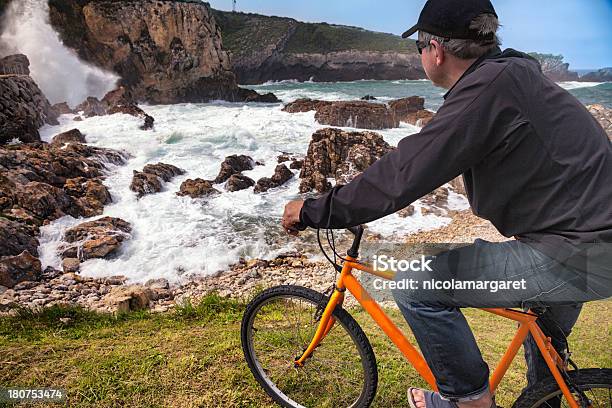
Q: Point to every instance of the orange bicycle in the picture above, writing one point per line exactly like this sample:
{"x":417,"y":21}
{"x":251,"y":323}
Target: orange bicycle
{"x":293,"y":346}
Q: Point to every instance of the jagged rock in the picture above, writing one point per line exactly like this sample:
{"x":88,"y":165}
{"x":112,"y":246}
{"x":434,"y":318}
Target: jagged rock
{"x":91,"y":107}
{"x":305,"y":105}
{"x":264,"y":184}
{"x":71,"y":265}
{"x":95,"y":239}
{"x":77,"y":119}
{"x":405,"y":106}
{"x":437,"y":198}
{"x":145,"y":183}
{"x":50,"y":273}
{"x":16,"y":238}
{"x":23,"y":109}
{"x":62,"y":108}
{"x":149,"y":181}
{"x":124,"y":299}
{"x":282,"y":174}
{"x":407,"y":212}
{"x":239,"y":182}
{"x":17,"y":64}
{"x":90,"y":194}
{"x":368,"y":98}
{"x":603,"y":116}
{"x":261,"y":98}
{"x":19,"y":268}
{"x":161,"y":283}
{"x":337,"y":154}
{"x":420,"y":118}
{"x":411,"y":110}
{"x":135,"y":111}
{"x":71,"y":136}
{"x":296,"y":164}
{"x":41,"y":182}
{"x":44,"y":201}
{"x":119,"y":96}
{"x":197,"y":188}
{"x":457,"y":185}
{"x":234,"y":165}
{"x":358,"y":114}
{"x":164,"y":171}
{"x":283,"y":158}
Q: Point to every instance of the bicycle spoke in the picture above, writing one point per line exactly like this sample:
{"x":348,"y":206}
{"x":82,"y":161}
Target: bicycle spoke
{"x":332,"y":376}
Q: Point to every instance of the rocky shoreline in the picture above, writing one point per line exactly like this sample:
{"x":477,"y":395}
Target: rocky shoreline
{"x":44,"y":181}
{"x":240,"y":281}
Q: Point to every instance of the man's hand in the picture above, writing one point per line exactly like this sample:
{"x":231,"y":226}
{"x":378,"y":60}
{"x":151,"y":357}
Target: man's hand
{"x":291,"y":217}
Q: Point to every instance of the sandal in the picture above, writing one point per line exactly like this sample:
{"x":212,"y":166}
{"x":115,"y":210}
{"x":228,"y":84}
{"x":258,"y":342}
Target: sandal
{"x":434,"y":400}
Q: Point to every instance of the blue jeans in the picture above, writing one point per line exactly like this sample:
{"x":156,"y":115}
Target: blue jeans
{"x":443,"y":334}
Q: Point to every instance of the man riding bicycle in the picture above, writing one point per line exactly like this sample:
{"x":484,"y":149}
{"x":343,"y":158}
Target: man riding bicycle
{"x":534,"y":162}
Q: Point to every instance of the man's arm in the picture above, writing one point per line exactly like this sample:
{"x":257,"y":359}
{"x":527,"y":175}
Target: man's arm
{"x":463,"y":132}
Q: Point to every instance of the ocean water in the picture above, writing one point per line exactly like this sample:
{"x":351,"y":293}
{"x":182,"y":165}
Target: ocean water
{"x":178,"y":237}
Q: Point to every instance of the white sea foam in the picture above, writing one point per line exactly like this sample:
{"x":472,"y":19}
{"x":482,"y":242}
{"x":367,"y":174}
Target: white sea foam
{"x":569,"y":85}
{"x":174,"y":237}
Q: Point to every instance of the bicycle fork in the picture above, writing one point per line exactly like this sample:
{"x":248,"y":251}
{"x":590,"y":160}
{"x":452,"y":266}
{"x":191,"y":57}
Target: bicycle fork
{"x":326,"y":322}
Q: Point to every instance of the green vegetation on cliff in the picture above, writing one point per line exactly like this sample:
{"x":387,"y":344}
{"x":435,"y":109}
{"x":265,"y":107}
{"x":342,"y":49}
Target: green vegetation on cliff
{"x":247,"y":34}
{"x":323,"y":38}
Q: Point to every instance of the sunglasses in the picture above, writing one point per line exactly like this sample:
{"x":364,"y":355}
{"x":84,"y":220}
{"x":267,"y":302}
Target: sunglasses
{"x":421,"y":46}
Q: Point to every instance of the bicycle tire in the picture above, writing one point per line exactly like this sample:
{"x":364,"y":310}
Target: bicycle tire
{"x":586,"y":379}
{"x":368,"y":359}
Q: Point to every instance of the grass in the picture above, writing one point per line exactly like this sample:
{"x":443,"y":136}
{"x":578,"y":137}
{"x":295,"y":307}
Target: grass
{"x":191,"y":357}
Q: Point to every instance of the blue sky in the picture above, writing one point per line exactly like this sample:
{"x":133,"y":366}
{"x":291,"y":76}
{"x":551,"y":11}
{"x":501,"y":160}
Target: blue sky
{"x":581,"y":30}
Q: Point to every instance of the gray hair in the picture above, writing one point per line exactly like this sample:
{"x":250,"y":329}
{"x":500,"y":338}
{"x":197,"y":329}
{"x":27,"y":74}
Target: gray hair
{"x":486,"y":25}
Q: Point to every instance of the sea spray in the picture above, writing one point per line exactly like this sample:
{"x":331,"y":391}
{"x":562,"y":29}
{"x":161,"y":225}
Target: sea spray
{"x":61,"y":75}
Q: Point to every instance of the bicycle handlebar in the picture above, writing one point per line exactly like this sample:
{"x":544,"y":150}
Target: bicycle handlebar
{"x":357,"y":231}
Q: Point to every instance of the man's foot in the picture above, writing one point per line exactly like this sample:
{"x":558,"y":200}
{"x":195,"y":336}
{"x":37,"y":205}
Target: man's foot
{"x":419,"y":398}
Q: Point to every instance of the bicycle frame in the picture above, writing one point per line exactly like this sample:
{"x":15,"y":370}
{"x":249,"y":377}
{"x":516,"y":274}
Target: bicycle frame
{"x":526,"y":320}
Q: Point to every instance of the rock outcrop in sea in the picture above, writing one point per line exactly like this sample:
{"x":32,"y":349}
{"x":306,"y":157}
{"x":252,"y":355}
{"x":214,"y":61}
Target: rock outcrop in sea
{"x":365,"y":115}
{"x":165,"y":51}
{"x":334,"y":153}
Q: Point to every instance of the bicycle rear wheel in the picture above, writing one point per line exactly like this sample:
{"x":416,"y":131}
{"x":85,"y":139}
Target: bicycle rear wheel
{"x":276,"y":329}
{"x":596,"y":383}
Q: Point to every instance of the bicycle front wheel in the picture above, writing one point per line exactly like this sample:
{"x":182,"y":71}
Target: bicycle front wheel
{"x":276,"y":329}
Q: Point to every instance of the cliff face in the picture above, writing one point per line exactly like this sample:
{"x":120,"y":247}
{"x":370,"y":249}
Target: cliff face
{"x":603,"y":75}
{"x":164,"y":51}
{"x":275,"y":48}
{"x":23,"y":107}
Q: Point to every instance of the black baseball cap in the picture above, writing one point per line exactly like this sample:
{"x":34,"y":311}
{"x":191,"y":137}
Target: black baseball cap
{"x":451,"y":18}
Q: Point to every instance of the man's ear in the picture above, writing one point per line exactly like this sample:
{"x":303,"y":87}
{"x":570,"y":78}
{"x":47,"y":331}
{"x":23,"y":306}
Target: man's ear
{"x":439,"y":52}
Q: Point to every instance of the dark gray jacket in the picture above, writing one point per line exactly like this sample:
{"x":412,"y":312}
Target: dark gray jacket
{"x":534,"y":161}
